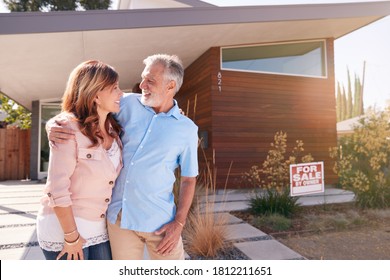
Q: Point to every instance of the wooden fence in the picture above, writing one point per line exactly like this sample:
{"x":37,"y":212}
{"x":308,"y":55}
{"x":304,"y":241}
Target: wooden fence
{"x":14,"y":154}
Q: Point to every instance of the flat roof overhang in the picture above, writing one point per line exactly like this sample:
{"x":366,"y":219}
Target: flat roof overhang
{"x":38,"y":50}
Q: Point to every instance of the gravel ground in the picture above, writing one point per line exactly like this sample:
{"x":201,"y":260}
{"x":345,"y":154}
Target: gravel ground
{"x":335,"y":232}
{"x":358,"y":244}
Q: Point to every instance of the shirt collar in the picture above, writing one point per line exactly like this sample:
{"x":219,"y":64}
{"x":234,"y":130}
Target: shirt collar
{"x":174,"y":111}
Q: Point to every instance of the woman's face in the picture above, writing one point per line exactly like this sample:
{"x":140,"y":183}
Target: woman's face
{"x":108,"y":99}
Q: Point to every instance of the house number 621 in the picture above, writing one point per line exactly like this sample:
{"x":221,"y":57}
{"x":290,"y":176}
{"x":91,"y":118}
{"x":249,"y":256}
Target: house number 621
{"x":219,"y":76}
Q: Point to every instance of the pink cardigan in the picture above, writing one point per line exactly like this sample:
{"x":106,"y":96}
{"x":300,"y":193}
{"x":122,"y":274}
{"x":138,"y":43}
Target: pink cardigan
{"x":79,"y":176}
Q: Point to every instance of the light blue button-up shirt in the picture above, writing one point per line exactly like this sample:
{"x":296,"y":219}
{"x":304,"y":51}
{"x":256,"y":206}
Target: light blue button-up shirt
{"x":154,"y":145}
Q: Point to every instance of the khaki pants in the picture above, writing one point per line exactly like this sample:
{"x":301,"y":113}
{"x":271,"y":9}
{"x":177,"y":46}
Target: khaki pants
{"x":129,"y":244}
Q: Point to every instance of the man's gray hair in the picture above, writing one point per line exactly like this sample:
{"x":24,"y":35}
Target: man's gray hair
{"x":173,"y":67}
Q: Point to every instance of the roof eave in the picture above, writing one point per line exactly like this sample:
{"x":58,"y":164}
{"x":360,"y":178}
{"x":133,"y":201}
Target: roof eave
{"x":37,"y":22}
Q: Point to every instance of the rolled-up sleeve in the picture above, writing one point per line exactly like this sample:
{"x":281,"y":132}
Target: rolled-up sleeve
{"x":189,"y":158}
{"x":62,"y":163}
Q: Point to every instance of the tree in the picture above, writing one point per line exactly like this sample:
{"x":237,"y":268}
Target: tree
{"x":349,"y":98}
{"x":24,"y":5}
{"x":349,"y":104}
{"x":339,"y":97}
{"x":358,"y":97}
{"x":17,"y":115}
{"x":56,"y":5}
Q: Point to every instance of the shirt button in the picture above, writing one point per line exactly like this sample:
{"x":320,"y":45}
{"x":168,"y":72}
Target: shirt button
{"x":49,"y":194}
{"x":102,"y":216}
{"x":141,"y":147}
{"x":132,"y":163}
{"x":89,"y":155}
{"x":111,"y":182}
{"x":107,"y":200}
{"x":149,"y":130}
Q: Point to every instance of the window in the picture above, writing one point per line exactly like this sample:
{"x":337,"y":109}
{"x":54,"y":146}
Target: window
{"x":298,"y":58}
{"x":48,"y":110}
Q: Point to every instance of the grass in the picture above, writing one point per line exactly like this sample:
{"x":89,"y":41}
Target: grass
{"x":205,"y":233}
{"x":276,"y":222}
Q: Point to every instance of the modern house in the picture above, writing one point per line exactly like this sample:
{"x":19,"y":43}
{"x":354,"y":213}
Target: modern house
{"x":251,"y":71}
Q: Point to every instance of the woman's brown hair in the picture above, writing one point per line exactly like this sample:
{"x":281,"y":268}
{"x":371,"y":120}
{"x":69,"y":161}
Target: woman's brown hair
{"x":84,"y":82}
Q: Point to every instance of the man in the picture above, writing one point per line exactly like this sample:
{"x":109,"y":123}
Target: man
{"x":157,"y":139}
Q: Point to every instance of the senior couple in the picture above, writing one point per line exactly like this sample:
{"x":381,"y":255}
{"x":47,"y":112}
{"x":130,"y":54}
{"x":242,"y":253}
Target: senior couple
{"x":112,"y":165}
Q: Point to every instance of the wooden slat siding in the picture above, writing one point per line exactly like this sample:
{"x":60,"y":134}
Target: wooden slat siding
{"x":3,"y":141}
{"x":197,"y":82}
{"x":24,"y":154}
{"x":14,"y":154}
{"x":258,"y":105}
{"x":252,"y":107}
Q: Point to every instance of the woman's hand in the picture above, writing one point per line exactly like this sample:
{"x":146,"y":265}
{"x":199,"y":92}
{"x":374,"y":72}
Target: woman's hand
{"x":73,"y":248}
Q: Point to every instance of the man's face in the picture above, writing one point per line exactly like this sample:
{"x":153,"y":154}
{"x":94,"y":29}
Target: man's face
{"x":156,"y":92}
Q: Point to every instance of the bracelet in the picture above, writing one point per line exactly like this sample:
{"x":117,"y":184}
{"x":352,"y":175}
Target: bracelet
{"x":73,"y":242}
{"x":70,"y":233}
{"x":181,"y":224}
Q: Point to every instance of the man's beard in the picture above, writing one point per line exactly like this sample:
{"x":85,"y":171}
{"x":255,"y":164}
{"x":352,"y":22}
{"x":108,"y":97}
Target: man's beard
{"x":148,"y":100}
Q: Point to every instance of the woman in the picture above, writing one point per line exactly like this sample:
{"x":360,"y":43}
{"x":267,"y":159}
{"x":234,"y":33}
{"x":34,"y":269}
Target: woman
{"x":71,"y":223}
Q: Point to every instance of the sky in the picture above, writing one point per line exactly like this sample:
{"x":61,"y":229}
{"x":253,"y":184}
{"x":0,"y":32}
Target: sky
{"x":369,"y":45}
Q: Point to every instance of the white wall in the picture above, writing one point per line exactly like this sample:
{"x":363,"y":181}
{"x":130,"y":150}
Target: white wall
{"x":150,"y":4}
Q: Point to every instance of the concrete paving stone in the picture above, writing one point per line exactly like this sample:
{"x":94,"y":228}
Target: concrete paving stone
{"x":22,"y":188}
{"x":15,"y":208}
{"x":20,"y":193}
{"x":267,"y":250}
{"x":12,"y":254}
{"x":243,"y":231}
{"x":230,"y":219}
{"x":231,"y":206}
{"x":21,"y":183}
{"x":19,"y":200}
{"x":25,"y":253}
{"x":228,"y":197}
{"x":317,"y":200}
{"x":331,"y":191}
{"x":17,"y":219}
{"x":18,"y":235}
{"x":33,"y":253}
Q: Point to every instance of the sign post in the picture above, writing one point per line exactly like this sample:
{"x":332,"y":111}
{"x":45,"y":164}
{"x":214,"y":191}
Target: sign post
{"x":306,"y":178}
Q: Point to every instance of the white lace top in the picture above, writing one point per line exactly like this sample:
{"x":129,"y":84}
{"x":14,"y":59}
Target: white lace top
{"x":114,"y":153}
{"x":51,"y":236}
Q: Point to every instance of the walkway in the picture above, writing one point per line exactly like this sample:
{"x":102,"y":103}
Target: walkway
{"x":19,"y":202}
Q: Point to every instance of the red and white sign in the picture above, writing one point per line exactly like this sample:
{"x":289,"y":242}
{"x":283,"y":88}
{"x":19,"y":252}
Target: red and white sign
{"x":306,"y":178}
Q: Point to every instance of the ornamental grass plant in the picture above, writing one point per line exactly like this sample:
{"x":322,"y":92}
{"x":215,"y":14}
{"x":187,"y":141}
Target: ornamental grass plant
{"x":205,"y":234}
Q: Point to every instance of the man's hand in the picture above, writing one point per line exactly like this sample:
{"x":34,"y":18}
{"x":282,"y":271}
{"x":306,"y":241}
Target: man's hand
{"x":173,"y":229}
{"x":57,"y":134}
{"x":172,"y":236}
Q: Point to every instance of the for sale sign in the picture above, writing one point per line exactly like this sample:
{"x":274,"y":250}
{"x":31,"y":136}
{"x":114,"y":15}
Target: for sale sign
{"x":306,"y":178}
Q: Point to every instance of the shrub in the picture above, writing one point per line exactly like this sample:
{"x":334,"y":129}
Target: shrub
{"x":363,"y":160}
{"x":273,"y":202}
{"x":273,"y":178}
